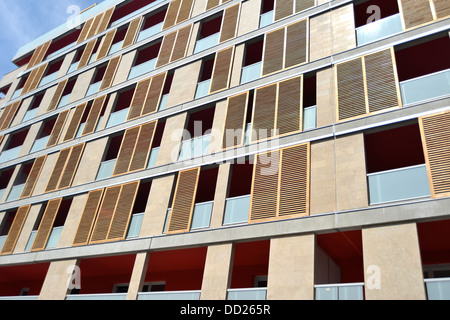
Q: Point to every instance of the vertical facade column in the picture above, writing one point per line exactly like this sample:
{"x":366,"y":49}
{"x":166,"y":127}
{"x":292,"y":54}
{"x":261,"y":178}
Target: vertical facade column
{"x":291,"y":268}
{"x":138,"y":275}
{"x":392,"y":263}
{"x":59,"y":276}
{"x":217,"y":272}
{"x":220,"y":196}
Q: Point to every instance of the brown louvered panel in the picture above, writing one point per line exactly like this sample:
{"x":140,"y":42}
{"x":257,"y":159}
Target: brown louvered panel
{"x":172,"y":13}
{"x":105,"y":214}
{"x":143,"y":147}
{"x":133,"y":30}
{"x":416,"y":12}
{"x":57,"y":128}
{"x":33,"y":176}
{"x":126,"y":151}
{"x":75,"y":122}
{"x":264,"y":195}
{"x":273,"y":52}
{"x":435,"y":131}
{"x":350,"y":89}
{"x":211,"y":4}
{"x":122,"y":214}
{"x":15,"y":230}
{"x":185,"y":11}
{"x":234,"y":127}
{"x":87,"y":53}
{"x":29,"y":81}
{"x":296,"y":44}
{"x":110,"y":72}
{"x":154,"y":94}
{"x":94,"y":115}
{"x":34,"y":79}
{"x":381,"y":81}
{"x":283,"y":9}
{"x":39,"y":54}
{"x":166,"y":49}
{"x":8,"y":115}
{"x":46,"y":225}
{"x":442,"y":8}
{"x":294,"y":181}
{"x":106,"y":44}
{"x":183,"y":202}
{"x":289,"y":106}
{"x":84,"y":32}
{"x":88,"y":217}
{"x":57,"y":95}
{"x":140,"y":93}
{"x":106,"y":19}
{"x":230,"y":23}
{"x":180,"y":46}
{"x":222,"y":70}
{"x":301,"y":5}
{"x":71,"y":166}
{"x":58,"y":170}
{"x":94,"y":26}
{"x":264,"y":112}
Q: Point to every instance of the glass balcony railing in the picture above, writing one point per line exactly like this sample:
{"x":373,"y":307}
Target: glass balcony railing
{"x":39,"y":144}
{"x":93,"y":88}
{"x":30,"y":114}
{"x":147,"y":33}
{"x":194,"y":147}
{"x":201,"y":217}
{"x":47,"y":79}
{"x":237,"y":209}
{"x":346,"y":291}
{"x":63,"y":101}
{"x":106,"y":169}
{"x":13,"y":298}
{"x":16,"y":94}
{"x":15,"y":192}
{"x":206,"y":43}
{"x":379,"y":29}
{"x":2,"y":241}
{"x":427,"y":87}
{"x":100,"y":296}
{"x":202,"y":89}
{"x":398,"y":184}
{"x":73,"y":67}
{"x":309,"y":118}
{"x":163,"y":102}
{"x":170,"y":295}
{"x":166,"y":222}
{"x":10,"y":154}
{"x":30,"y":241}
{"x":117,"y":118}
{"x":135,"y":13}
{"x":115,"y":47}
{"x":247,"y":294}
{"x":142,"y":68}
{"x":135,"y":225}
{"x":251,"y":72}
{"x":153,"y":157}
{"x":2,"y":193}
{"x":266,"y":19}
{"x":54,"y":237}
{"x":438,"y":288}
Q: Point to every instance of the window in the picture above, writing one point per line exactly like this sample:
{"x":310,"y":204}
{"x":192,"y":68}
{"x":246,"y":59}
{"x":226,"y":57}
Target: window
{"x":121,"y":107}
{"x":52,"y":72}
{"x":14,"y":145}
{"x":152,"y":24}
{"x":145,"y":60}
{"x":209,"y":33}
{"x":251,"y":69}
{"x":33,"y":108}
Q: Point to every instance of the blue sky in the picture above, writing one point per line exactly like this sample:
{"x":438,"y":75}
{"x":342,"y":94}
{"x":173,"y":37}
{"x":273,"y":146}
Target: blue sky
{"x":22,"y":21}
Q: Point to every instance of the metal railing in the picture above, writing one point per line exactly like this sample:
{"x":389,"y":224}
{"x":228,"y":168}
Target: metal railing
{"x":340,"y":291}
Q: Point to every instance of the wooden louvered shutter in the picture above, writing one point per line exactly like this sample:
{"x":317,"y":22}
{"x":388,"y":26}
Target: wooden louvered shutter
{"x":140,"y":93}
{"x":132,"y":32}
{"x":106,"y":18}
{"x":435,"y":132}
{"x":283,"y":9}
{"x":296,"y":44}
{"x":222,"y":70}
{"x":94,"y":26}
{"x":105,"y":214}
{"x":180,"y":46}
{"x":211,"y":4}
{"x":230,"y":23}
{"x":183,"y":201}
{"x":289,"y":107}
{"x":34,"y":79}
{"x":166,"y":49}
{"x":39,"y":54}
{"x":185,"y":10}
{"x":46,"y":225}
{"x":84,"y":32}
{"x":75,"y":122}
{"x":9,"y":112}
{"x":110,"y":72}
{"x":33,"y":177}
{"x":301,"y":5}
{"x":154,"y":94}
{"x":88,"y":217}
{"x":15,"y":230}
{"x":234,"y":126}
{"x":263,"y":122}
{"x":57,"y":95}
{"x":416,"y":12}
{"x":273,"y":51}
{"x":94,"y":115}
{"x":58,"y":169}
{"x":87,"y":53}
{"x":105,"y":46}
{"x":57,"y":128}
{"x":441,"y":8}
{"x":172,"y":13}
{"x":126,"y":151}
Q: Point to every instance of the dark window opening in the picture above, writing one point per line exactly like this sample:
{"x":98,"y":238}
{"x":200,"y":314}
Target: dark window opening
{"x":267,"y":6}
{"x":120,"y":35}
{"x":200,"y":122}
{"x":241,"y":179}
{"x":5,"y":226}
{"x":128,"y":8}
{"x":54,"y":67}
{"x":64,"y":41}
{"x":24,"y":172}
{"x":100,"y":72}
{"x":63,"y":211}
{"x":364,"y":13}
{"x":142,"y":197}
{"x":17,"y":139}
{"x":147,"y":54}
{"x":253,"y":52}
{"x":124,"y":99}
{"x":168,"y":83}
{"x":157,"y":138}
{"x":154,"y":19}
{"x":207,"y":69}
{"x":309,"y":91}
{"x":47,"y":128}
{"x":4,"y":91}
{"x":206,"y":187}
{"x":210,"y":27}
{"x":113,"y":147}
{"x":5,"y":176}
{"x":69,"y":87}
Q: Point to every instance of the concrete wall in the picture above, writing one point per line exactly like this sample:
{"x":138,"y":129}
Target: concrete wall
{"x":58,"y":278}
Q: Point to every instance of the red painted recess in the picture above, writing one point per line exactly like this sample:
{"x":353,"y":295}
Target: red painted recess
{"x":434,"y":241}
{"x":15,"y":278}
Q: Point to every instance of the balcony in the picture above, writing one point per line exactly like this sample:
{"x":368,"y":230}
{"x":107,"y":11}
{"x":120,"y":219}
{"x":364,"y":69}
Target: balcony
{"x":135,"y":13}
{"x":30,"y":114}
{"x":251,"y":72}
{"x":147,"y":33}
{"x":202,"y":89}
{"x":201,"y":217}
{"x":73,"y":67}
{"x":170,"y":295}
{"x":16,"y":94}
{"x":438,"y":288}
{"x":39,"y":144}
{"x":247,"y":294}
{"x":237,"y":209}
{"x":93,"y":88}
{"x":309,"y":118}
{"x":2,"y":193}
{"x":153,"y":157}
{"x":10,"y":154}
{"x":379,"y":29}
{"x":117,"y":118}
{"x":163,"y":102}
{"x":346,"y":291}
{"x":207,"y":42}
{"x":266,"y":19}
{"x":2,"y":241}
{"x":398,"y":184}
{"x":47,"y":79}
{"x":100,"y":296}
{"x":63,"y":101}
{"x":427,"y":87}
{"x":142,"y":68}
{"x":115,"y":47}
{"x":135,"y":225}
{"x":15,"y":192}
{"x":52,"y":242}
{"x":106,"y":169}
{"x":194,"y":147}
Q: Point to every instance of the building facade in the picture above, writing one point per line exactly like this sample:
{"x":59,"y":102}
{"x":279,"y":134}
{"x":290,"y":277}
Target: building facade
{"x":230,"y":149}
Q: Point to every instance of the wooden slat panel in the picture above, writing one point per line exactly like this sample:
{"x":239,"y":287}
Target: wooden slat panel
{"x":381,"y":81}
{"x":264,"y":111}
{"x":211,"y":4}
{"x":133,"y":30}
{"x":9,"y":112}
{"x":57,"y":95}
{"x":57,"y":128}
{"x":140,"y":93}
{"x":283,"y":9}
{"x":34,"y":79}
{"x":185,"y":11}
{"x":110,"y":72}
{"x":94,"y":26}
{"x":296,"y":44}
{"x":273,"y":52}
{"x":289,"y":111}
{"x":172,"y":13}
{"x":350,"y":89}
{"x":87,"y":53}
{"x":166,"y":49}
{"x":85,"y":30}
{"x":46,"y":225}
{"x":230,"y":23}
{"x":435,"y":131}
{"x":301,"y":5}
{"x":106,"y":19}
{"x":222,"y":70}
{"x":105,"y":214}
{"x":143,"y":147}
{"x":234,"y":127}
{"x":33,"y":176}
{"x":15,"y":230}
{"x":416,"y":12}
{"x":154,"y":94}
{"x":442,"y":8}
{"x":71,"y":166}
{"x":94,"y":115}
{"x":58,"y":170}
{"x":105,"y":45}
{"x":88,"y":217}
{"x":183,"y":202}
{"x":122,"y":214}
{"x":180,"y":46}
{"x":126,"y":151}
{"x":264,"y":195}
{"x":75,"y":122}
{"x":39,"y":54}
{"x":294,"y":181}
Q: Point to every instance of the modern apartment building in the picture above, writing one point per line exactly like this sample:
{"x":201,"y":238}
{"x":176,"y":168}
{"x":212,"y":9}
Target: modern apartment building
{"x":230,"y":149}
